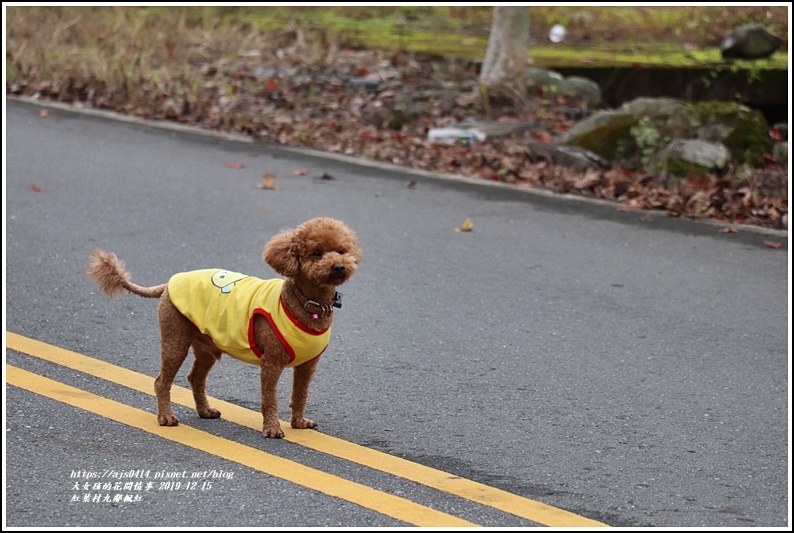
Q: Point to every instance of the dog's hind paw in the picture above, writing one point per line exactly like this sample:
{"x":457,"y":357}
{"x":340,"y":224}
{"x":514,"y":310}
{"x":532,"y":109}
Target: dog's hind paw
{"x":209,"y":412}
{"x":303,"y":423}
{"x":273,"y":432}
{"x":167,"y":420}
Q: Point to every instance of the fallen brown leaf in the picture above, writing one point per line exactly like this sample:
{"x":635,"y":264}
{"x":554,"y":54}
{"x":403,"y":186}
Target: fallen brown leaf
{"x":773,"y":244}
{"x":267,"y":182}
{"x":729,"y":229}
{"x":234,"y":165}
{"x":300,"y":172}
{"x":466,"y":226}
{"x":43,"y":113}
{"x":35,"y":188}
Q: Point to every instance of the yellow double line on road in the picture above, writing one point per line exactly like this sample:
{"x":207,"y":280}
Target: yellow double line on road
{"x":362,"y":495}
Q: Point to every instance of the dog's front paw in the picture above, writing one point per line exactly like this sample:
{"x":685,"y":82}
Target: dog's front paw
{"x":303,"y":423}
{"x":273,"y":432}
{"x":209,"y":412}
{"x":167,"y":420}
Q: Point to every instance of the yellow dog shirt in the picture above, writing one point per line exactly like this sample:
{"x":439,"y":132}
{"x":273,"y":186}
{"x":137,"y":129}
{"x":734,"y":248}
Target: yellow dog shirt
{"x":223,"y":305}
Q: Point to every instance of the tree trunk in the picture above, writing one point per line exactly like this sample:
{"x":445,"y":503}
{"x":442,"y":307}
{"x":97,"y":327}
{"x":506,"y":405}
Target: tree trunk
{"x":508,"y":47}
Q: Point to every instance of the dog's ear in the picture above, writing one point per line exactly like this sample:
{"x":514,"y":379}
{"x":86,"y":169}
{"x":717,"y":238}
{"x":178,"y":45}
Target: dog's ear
{"x":282,"y":254}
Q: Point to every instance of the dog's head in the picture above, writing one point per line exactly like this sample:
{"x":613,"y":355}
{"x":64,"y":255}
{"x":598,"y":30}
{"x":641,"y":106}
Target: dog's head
{"x":323,"y":250}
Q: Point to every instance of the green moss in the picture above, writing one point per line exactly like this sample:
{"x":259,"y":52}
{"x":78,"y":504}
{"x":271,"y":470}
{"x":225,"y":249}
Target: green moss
{"x":459,"y":33}
{"x":647,"y":138}
{"x":748,"y":141}
{"x":632,"y":139}
{"x":637,"y":55}
{"x":681,"y":168}
{"x":606,"y":141}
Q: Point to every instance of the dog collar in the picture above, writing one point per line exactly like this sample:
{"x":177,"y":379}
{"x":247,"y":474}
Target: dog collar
{"x":316,"y":309}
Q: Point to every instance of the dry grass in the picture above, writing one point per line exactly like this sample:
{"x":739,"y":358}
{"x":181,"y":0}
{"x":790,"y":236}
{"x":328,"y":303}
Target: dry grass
{"x":119,"y":45}
{"x":128,"y":51}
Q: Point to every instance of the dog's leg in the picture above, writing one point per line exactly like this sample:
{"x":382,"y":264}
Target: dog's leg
{"x":271,"y":372}
{"x":302,"y":377}
{"x":206,"y":354}
{"x":176,"y":333}
{"x":173,"y":354}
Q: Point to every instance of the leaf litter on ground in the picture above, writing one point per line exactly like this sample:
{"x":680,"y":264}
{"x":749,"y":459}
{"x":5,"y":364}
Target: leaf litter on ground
{"x":297,"y":97}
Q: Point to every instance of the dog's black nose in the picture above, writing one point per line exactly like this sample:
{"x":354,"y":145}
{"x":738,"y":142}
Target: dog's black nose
{"x":339,"y":268}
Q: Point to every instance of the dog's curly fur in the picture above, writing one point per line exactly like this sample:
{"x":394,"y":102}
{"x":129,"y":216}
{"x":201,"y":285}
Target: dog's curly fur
{"x":314,"y":259}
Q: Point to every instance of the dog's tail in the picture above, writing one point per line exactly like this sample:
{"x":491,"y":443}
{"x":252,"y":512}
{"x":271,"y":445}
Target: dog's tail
{"x":110,"y":276}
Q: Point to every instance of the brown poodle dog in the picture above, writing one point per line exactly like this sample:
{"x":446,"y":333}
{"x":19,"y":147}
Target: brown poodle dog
{"x":271,"y":323}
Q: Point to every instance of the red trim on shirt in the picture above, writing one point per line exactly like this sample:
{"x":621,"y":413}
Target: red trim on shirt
{"x":251,"y":339}
{"x":281,"y":339}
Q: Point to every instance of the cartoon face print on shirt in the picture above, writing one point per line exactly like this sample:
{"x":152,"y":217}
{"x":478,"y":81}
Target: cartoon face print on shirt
{"x":225,"y":280}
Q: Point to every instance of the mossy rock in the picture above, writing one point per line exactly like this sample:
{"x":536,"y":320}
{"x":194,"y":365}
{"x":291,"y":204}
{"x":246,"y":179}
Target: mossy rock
{"x":653,"y":106}
{"x":601,"y":133}
{"x":742,"y":130}
{"x":626,"y":139}
{"x":542,"y":78}
{"x":583,"y":91}
{"x":685,"y":157}
{"x":633,"y":135}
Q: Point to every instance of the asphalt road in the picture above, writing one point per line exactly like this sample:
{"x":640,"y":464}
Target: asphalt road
{"x":631,"y":370}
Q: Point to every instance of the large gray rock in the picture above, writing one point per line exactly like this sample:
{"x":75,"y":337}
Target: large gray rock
{"x":652,"y":106}
{"x":540,"y":78}
{"x":582,"y":91}
{"x":579,"y":90}
{"x":751,"y":41}
{"x":692,"y":156}
{"x":633,"y":135}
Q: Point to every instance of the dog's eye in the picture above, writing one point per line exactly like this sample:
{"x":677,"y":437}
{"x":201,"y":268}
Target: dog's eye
{"x":341,"y":252}
{"x":317,"y":254}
